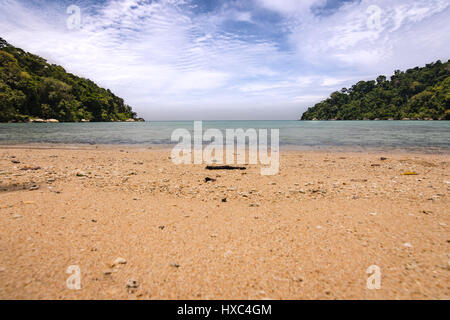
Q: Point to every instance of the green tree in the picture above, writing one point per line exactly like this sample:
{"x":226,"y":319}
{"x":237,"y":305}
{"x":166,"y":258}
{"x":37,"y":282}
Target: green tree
{"x":31,"y":87}
{"x":417,"y":93}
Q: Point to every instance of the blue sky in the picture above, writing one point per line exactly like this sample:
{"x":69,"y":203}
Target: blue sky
{"x":219,"y":59}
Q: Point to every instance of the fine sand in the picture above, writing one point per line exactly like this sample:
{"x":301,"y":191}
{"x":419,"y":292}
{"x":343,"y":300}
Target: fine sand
{"x":310,"y":232}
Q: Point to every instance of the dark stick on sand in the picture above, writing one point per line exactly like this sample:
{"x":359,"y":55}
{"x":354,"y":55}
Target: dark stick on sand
{"x":224,"y":168}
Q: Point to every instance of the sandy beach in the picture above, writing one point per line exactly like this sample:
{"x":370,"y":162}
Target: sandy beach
{"x":310,"y":232}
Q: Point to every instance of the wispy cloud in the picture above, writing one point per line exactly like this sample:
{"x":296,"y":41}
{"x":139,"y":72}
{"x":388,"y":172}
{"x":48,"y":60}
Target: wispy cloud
{"x":233,"y":59}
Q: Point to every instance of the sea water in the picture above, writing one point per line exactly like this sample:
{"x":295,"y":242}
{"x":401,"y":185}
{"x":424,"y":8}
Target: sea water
{"x":421,"y":136}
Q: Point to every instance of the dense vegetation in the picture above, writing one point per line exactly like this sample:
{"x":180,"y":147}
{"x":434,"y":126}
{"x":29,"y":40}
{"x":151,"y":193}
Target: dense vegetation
{"x":419,"y":93}
{"x":32,"y":88}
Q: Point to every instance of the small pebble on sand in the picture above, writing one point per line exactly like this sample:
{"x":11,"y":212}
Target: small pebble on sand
{"x":119,"y":261}
{"x":132,"y":284}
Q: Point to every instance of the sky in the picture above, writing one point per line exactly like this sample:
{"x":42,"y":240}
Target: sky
{"x":229,"y":59}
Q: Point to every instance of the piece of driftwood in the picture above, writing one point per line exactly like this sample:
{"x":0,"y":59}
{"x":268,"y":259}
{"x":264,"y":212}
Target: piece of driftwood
{"x":224,"y":168}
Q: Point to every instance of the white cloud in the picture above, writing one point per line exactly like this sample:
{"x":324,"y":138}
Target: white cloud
{"x":332,"y":82}
{"x":351,"y":39}
{"x":258,"y":87}
{"x":197,"y":80}
{"x":308,"y":98}
{"x":157,"y":54}
{"x":291,"y":7}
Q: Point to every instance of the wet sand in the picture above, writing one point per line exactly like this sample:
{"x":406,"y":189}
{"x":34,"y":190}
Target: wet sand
{"x":309,"y":232}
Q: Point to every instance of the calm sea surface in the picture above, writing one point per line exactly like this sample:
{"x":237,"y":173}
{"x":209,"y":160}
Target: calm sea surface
{"x":421,"y":136}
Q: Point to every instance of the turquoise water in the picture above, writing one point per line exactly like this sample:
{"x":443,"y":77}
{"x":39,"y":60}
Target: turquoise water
{"x":423,"y":136}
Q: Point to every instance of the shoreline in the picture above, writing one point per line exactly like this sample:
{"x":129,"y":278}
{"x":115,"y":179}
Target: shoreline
{"x":283,"y":148}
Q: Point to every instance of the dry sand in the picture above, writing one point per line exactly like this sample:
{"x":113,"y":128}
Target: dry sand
{"x":309,"y":232}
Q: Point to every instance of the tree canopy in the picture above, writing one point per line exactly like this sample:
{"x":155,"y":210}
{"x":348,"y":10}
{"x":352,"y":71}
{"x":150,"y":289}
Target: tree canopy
{"x":419,"y":93}
{"x":30,"y":87}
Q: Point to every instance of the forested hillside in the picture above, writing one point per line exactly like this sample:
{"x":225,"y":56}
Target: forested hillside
{"x":419,"y":93}
{"x":32,"y":88}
